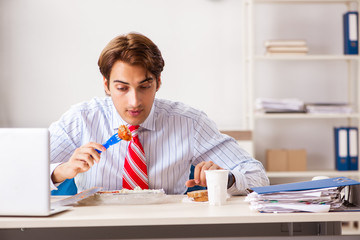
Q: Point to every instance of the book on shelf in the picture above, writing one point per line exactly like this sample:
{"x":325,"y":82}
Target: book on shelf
{"x":303,"y":49}
{"x":293,"y":47}
{"x":285,"y":43}
{"x":271,"y":54}
{"x":351,"y":34}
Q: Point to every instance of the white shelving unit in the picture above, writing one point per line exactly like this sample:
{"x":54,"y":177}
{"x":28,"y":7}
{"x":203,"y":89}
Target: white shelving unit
{"x":252,"y":58}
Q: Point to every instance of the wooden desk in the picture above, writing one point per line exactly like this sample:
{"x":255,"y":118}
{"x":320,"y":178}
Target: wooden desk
{"x":173,"y":218}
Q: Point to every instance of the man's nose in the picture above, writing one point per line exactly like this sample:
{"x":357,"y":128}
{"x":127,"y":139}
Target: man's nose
{"x":134,"y":98}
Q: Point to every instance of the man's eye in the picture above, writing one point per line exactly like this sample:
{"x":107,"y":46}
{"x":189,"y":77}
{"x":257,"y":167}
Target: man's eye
{"x":122,"y":89}
{"x":145,"y":86}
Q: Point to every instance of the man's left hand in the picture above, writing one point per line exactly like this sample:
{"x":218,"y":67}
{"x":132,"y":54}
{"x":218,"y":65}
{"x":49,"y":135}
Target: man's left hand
{"x":199,"y":174}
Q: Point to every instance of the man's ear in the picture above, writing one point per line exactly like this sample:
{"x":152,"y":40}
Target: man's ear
{"x":158,"y":84}
{"x":106,"y":86}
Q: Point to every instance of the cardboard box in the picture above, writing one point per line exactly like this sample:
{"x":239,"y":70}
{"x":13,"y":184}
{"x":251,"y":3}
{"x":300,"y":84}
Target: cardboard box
{"x":286,"y":160}
{"x":276,"y":160}
{"x":297,"y":160}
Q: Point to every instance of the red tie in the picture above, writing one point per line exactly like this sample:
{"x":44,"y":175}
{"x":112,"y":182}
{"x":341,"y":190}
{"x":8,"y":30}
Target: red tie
{"x":135,"y":170}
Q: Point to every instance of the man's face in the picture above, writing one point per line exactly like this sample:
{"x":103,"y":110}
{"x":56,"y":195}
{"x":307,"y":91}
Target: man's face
{"x":132,"y":90}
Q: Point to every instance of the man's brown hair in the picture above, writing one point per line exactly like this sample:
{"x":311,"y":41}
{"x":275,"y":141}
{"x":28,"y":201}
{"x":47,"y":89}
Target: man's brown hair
{"x":133,"y":49}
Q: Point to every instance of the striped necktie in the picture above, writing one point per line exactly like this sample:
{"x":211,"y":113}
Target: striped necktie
{"x":135,"y":170}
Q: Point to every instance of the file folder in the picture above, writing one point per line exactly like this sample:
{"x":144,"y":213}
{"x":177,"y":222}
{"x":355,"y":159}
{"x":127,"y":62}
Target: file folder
{"x":351,"y":34}
{"x":308,"y":185}
{"x":341,"y":148}
{"x":353,"y":149}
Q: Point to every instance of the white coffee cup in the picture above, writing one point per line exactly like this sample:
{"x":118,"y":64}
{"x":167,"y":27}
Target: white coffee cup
{"x":216,"y":181}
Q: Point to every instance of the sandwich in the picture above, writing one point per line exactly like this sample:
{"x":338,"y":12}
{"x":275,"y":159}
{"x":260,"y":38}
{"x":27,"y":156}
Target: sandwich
{"x":198,"y":195}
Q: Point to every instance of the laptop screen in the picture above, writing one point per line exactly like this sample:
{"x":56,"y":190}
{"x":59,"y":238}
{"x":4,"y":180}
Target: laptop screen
{"x":24,"y":171}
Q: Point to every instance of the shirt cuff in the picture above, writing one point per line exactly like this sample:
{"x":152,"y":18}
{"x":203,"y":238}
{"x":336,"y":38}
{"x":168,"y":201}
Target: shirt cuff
{"x":231,"y":180}
{"x":53,"y":186}
{"x":232,"y":190}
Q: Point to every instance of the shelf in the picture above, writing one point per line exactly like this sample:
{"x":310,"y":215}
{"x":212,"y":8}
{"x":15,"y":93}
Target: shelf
{"x":308,"y":57}
{"x":312,"y":174}
{"x":303,"y":116}
{"x":262,"y":70}
{"x":305,"y":1}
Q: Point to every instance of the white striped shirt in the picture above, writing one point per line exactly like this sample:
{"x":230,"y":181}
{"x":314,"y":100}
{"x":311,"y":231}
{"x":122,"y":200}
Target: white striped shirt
{"x":174,"y":137}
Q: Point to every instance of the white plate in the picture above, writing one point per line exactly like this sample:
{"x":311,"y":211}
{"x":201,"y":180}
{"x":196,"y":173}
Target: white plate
{"x":129,"y":197}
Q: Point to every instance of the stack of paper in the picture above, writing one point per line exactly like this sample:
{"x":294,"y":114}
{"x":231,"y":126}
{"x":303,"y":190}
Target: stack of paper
{"x":311,"y":196}
{"x":298,"y":47}
{"x":271,"y":105}
{"x":318,"y":200}
{"x":328,"y":108}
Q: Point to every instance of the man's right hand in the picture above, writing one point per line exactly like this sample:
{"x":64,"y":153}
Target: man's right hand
{"x":82,"y":160}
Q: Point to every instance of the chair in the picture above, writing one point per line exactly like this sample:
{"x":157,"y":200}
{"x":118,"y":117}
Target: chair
{"x":68,"y":187}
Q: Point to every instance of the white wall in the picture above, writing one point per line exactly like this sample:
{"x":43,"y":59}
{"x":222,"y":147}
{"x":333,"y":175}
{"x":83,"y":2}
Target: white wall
{"x":49,"y":51}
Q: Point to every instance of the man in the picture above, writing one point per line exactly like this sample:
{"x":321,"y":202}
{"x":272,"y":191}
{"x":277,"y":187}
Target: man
{"x":173,"y":136}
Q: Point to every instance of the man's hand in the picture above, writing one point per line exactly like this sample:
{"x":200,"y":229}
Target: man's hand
{"x":199,"y":174}
{"x":82,"y":160}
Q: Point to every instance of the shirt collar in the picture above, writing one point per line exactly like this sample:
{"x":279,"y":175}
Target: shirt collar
{"x":149,"y":122}
{"x":116,"y":119}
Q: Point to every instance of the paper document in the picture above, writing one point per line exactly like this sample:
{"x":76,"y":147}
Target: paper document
{"x":311,"y":196}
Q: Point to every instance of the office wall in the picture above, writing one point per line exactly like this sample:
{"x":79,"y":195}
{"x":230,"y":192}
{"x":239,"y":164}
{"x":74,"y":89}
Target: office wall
{"x":49,"y":51}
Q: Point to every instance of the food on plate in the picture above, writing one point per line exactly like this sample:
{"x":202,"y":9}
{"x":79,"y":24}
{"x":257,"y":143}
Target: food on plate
{"x":135,"y":190}
{"x":199,"y":195}
{"x":124,"y":133}
{"x":126,"y":196}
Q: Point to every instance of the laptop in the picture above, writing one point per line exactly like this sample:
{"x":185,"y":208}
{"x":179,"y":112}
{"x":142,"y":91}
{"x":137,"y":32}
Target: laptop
{"x":25,"y":172}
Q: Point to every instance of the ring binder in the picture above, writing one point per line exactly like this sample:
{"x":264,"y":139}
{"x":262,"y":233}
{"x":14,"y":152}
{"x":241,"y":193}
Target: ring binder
{"x":353,"y":151}
{"x":351,"y":34}
{"x":341,"y":148}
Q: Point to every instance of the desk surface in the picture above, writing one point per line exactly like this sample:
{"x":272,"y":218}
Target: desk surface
{"x":173,"y":212}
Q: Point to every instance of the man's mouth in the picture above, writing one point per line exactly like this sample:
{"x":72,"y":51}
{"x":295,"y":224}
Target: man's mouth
{"x":134,"y":113}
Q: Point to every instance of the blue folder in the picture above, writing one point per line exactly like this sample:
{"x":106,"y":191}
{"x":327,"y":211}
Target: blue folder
{"x":351,"y":34}
{"x":308,"y":185}
{"x":353,"y":149}
{"x":341,"y":148}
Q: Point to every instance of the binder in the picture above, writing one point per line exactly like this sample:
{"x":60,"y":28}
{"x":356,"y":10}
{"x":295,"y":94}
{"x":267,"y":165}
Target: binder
{"x":351,"y":34}
{"x":341,"y":148}
{"x":353,"y":148}
{"x":307,"y":185}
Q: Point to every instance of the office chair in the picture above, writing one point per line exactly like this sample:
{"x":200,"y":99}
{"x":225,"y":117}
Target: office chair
{"x":191,"y":176}
{"x":68,"y":187}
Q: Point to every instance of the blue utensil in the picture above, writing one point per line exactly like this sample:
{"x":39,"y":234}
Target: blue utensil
{"x":113,"y":140}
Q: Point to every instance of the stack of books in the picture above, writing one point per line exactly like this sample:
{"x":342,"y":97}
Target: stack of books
{"x":311,"y":196}
{"x":290,"y":47}
{"x":285,"y":105}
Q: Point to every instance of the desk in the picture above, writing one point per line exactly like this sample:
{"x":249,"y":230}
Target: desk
{"x":173,"y":218}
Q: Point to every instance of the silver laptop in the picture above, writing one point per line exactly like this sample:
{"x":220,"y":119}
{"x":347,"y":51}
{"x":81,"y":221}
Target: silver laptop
{"x":25,"y":173}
